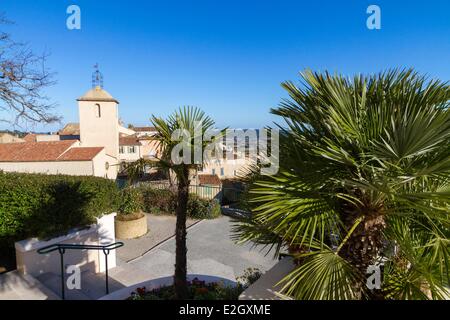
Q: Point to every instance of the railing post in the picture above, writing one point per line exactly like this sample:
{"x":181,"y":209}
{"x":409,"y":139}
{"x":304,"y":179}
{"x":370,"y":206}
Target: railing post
{"x":63,"y":283}
{"x":106,"y":253}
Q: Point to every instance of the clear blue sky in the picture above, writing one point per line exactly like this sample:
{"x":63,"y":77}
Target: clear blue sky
{"x":227,"y":57}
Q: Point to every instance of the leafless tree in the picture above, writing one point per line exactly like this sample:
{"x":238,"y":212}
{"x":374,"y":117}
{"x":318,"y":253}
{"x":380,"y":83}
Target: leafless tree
{"x":23,"y":77}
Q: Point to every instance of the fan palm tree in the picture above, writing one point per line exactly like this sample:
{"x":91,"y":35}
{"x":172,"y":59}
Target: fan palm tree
{"x":179,"y":137}
{"x":363,"y":187}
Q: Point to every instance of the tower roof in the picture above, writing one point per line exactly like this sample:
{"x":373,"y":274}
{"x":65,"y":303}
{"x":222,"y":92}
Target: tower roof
{"x":97,"y":94}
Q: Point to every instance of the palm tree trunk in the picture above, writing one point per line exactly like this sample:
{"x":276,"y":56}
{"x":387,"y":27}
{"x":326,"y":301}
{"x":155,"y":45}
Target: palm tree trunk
{"x":363,"y":248}
{"x":180,"y":278}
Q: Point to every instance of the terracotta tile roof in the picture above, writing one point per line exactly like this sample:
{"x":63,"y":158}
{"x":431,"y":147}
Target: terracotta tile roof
{"x":211,"y":179}
{"x":30,"y":137}
{"x":80,"y":154}
{"x":71,"y":129}
{"x":129,"y":141}
{"x":144,"y":129}
{"x":33,"y":151}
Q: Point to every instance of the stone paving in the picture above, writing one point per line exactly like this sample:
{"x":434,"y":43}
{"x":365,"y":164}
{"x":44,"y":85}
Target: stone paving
{"x":160,"y":228}
{"x":210,"y":252}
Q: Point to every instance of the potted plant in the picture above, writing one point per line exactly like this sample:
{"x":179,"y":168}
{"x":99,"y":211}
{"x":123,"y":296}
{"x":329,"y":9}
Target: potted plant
{"x":130,"y":222}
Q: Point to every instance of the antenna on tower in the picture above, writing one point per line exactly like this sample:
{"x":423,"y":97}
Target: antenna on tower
{"x":97,"y":77}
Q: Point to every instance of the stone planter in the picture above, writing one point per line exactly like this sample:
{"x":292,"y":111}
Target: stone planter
{"x":124,"y":293}
{"x":130,"y":229}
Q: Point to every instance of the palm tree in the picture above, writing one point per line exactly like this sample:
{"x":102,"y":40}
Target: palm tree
{"x":177,"y":136}
{"x":363,"y":185}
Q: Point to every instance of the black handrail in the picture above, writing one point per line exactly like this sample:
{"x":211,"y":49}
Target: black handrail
{"x":62,"y":250}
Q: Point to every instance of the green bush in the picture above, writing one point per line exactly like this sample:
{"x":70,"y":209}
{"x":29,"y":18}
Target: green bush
{"x":131,"y":201}
{"x":164,"y":201}
{"x":44,"y":206}
{"x":198,"y":208}
{"x":157,"y":201}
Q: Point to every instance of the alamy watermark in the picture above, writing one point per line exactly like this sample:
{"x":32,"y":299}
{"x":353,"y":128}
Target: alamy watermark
{"x":202,"y":146}
{"x":73,"y":21}
{"x":374,"y":279}
{"x":373,"y":22}
{"x":73,"y":281}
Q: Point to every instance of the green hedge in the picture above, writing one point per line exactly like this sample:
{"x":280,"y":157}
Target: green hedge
{"x":44,"y":206}
{"x":163,"y":201}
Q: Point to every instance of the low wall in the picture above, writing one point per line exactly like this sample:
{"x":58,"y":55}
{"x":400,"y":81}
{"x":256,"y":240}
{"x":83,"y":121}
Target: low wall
{"x":102,"y":233}
{"x":265,"y":288}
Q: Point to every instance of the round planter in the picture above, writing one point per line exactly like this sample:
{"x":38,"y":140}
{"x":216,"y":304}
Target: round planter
{"x":130,"y":229}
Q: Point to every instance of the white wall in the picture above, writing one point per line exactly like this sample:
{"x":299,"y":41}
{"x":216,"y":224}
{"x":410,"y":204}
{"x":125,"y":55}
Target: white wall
{"x":100,"y":131}
{"x":126,"y":131}
{"x":29,"y":261}
{"x":230,"y":167}
{"x":100,"y":167}
{"x":47,"y":137}
{"x":76,"y":168}
{"x":127,"y":156}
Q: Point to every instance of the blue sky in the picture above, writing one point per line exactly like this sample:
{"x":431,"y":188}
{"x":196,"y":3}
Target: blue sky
{"x":227,"y":57}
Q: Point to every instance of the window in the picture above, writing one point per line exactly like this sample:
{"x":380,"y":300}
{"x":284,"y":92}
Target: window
{"x":121,"y":150}
{"x":98,"y":111}
{"x":132,"y":149}
{"x":213,"y":171}
{"x":222,"y":172}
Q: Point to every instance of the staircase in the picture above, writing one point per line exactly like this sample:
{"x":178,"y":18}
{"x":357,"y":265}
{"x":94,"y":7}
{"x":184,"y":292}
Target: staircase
{"x":92,"y":286}
{"x":17,"y":286}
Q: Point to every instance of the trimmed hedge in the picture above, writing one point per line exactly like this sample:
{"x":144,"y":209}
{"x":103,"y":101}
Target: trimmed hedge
{"x":164,"y":201}
{"x":44,"y":206}
{"x":158,"y":201}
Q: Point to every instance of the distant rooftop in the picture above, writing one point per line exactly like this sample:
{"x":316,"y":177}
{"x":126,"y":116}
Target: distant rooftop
{"x":30,"y":137}
{"x":71,"y":129}
{"x":209,"y":179}
{"x":144,"y":129}
{"x":129,"y":141}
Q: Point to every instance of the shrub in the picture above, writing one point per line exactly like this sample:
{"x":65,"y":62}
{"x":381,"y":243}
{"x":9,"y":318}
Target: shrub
{"x":203,"y":209}
{"x":157,"y":200}
{"x":44,"y":206}
{"x":197,"y":290}
{"x":131,"y":201}
{"x":200,"y":290}
{"x":164,"y":201}
{"x":197,"y":208}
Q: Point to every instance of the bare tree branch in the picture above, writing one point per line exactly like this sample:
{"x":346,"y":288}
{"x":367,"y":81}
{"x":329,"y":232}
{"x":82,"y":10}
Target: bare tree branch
{"x":23,"y":77}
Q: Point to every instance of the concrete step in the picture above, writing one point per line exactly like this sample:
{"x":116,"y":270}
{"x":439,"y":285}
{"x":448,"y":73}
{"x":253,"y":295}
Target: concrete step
{"x":93,"y":286}
{"x":16,"y":286}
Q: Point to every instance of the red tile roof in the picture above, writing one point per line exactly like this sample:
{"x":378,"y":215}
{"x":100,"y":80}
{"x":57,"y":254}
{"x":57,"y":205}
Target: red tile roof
{"x":211,"y":179}
{"x":46,"y":151}
{"x":129,"y":141}
{"x":80,"y":154}
{"x":30,"y":137}
{"x":33,"y":151}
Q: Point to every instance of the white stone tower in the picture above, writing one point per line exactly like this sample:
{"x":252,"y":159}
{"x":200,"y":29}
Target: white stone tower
{"x":99,"y":118}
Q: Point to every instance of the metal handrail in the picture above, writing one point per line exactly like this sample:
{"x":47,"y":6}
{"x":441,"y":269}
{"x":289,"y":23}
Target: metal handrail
{"x":55,"y":247}
{"x":61,"y":248}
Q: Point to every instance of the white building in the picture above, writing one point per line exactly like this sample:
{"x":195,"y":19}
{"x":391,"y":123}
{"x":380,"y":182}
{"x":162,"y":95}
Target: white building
{"x":95,"y":153}
{"x":56,"y":157}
